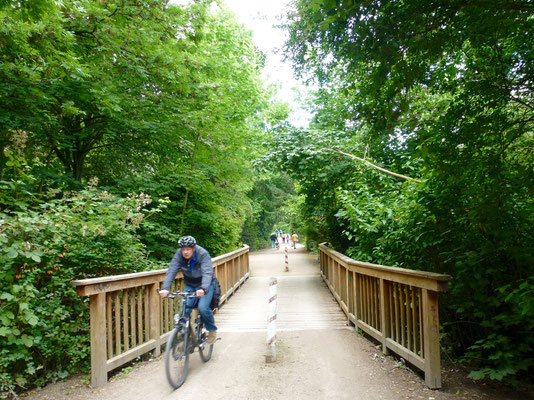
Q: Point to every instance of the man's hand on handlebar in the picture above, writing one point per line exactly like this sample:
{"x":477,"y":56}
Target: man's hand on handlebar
{"x":199,"y":293}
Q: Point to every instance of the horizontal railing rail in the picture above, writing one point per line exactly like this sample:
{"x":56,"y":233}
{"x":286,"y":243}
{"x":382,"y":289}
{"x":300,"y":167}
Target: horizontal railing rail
{"x":128,"y":318}
{"x":398,"y":307}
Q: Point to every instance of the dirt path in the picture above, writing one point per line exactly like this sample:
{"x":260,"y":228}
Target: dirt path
{"x":318,"y":355}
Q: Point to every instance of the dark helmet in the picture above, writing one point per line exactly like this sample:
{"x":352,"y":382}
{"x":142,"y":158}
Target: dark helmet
{"x":187,"y":241}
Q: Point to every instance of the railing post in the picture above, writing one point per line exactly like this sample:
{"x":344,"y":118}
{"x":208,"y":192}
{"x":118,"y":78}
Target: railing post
{"x":99,"y":373}
{"x":154,"y":306}
{"x":384,"y":314}
{"x":431,"y":339}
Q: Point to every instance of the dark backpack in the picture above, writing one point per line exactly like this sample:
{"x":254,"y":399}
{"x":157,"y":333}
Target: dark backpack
{"x":216,"y":294}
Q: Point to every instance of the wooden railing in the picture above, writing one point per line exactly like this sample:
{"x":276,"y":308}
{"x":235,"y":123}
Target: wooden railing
{"x":396,"y":306}
{"x":128,"y":318}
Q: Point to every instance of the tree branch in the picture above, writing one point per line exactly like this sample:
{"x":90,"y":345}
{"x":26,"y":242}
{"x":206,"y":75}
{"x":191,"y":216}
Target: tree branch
{"x":376,"y":166}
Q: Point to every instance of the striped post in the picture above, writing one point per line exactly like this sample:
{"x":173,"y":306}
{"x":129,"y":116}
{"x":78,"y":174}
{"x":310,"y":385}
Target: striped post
{"x":287,"y":261}
{"x":270,"y":356}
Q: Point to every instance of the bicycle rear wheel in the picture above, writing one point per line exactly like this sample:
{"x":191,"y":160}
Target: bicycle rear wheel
{"x":204,"y":348}
{"x":177,"y":356}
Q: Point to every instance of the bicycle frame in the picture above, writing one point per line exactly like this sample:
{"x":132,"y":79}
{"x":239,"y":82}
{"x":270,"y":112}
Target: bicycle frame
{"x":183,"y":319}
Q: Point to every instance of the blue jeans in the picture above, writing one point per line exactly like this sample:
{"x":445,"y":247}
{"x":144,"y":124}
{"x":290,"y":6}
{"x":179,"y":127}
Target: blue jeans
{"x":203,"y":304}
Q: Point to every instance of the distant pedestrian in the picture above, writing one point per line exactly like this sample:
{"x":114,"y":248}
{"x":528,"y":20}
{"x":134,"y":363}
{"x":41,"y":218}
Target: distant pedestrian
{"x":295,"y":239}
{"x":274,"y":237}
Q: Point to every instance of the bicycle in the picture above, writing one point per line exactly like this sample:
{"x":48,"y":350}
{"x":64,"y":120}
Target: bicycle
{"x":183,"y":340}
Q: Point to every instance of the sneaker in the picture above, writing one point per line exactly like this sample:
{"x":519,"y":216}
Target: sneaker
{"x":212,"y":337}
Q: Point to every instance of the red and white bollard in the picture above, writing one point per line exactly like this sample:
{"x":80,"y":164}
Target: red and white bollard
{"x":270,"y":355}
{"x":287,"y":261}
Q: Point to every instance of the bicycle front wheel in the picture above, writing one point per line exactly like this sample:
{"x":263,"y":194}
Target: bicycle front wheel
{"x":204,"y":348}
{"x":177,"y":356}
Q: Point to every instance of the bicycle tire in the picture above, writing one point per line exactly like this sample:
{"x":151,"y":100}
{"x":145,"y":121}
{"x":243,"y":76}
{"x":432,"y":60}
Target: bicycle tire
{"x":177,"y":356}
{"x":204,"y":348}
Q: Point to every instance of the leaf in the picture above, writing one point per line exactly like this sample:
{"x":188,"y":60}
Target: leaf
{"x":4,"y":331}
{"x":477,"y":375}
{"x":9,"y":315}
{"x":6,"y":296}
{"x":27,"y":340}
{"x":12,"y":253}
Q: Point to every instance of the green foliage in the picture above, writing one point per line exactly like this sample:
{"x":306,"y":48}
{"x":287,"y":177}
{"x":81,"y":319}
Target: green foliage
{"x":165,"y":116}
{"x":504,"y":356}
{"x":46,"y":242}
{"x":442,"y":93}
{"x":273,"y":198}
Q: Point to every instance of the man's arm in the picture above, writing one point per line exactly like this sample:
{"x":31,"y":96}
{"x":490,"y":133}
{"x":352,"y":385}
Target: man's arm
{"x":207,"y":271}
{"x":172,"y":271}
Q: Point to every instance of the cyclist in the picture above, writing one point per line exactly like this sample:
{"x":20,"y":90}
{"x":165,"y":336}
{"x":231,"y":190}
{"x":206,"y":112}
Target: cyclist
{"x":195,"y":263}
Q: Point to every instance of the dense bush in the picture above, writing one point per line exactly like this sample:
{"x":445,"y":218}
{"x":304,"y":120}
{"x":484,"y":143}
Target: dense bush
{"x":46,"y":243}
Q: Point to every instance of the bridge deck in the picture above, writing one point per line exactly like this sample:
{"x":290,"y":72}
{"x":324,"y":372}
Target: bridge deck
{"x":304,"y":301}
{"x":318,"y":356}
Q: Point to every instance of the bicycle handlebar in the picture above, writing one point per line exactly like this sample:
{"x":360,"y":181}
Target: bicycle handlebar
{"x":172,"y":295}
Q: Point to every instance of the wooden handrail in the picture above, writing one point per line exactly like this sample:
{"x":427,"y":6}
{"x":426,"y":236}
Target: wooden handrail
{"x":396,"y":306}
{"x":128,"y":318}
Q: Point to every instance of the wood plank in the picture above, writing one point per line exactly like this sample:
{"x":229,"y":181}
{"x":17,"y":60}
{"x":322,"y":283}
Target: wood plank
{"x":109,"y":318}
{"x":376,"y":297}
{"x":359,"y":288}
{"x":396,"y":304}
{"x":147,"y":313}
{"x":129,"y":355}
{"x":406,"y":354}
{"x":414,"y":320}
{"x":139,"y":291}
{"x":117,"y":324}
{"x":391,"y":311}
{"x":87,"y":287}
{"x":154,"y":304}
{"x":97,"y":311}
{"x":349,"y":261}
{"x":133,"y":320}
{"x":165,"y":309}
{"x":421,"y":325}
{"x":431,"y":339}
{"x":409,"y":317}
{"x":125,"y":331}
{"x":423,"y":279}
{"x":384,"y":314}
{"x":370,"y":330}
{"x":403,"y":318}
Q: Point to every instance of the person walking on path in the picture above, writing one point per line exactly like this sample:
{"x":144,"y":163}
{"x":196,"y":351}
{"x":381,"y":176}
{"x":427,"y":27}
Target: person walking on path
{"x":195,"y":263}
{"x":274,"y":236}
{"x":295,"y":239}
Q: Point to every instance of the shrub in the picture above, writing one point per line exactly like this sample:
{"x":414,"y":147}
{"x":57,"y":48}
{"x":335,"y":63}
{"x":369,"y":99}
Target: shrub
{"x":46,"y":244}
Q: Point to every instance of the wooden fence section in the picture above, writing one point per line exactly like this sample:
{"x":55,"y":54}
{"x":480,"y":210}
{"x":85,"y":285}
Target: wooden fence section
{"x":396,"y":306}
{"x":128,"y":318}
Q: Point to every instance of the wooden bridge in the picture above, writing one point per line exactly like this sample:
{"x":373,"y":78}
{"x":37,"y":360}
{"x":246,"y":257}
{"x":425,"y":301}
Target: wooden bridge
{"x":397,"y":307}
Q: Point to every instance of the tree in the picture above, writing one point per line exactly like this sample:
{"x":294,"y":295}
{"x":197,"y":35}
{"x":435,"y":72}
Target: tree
{"x":439,"y":91}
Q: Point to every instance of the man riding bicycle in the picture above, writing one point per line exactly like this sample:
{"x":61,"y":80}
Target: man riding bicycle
{"x":195,"y":263}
